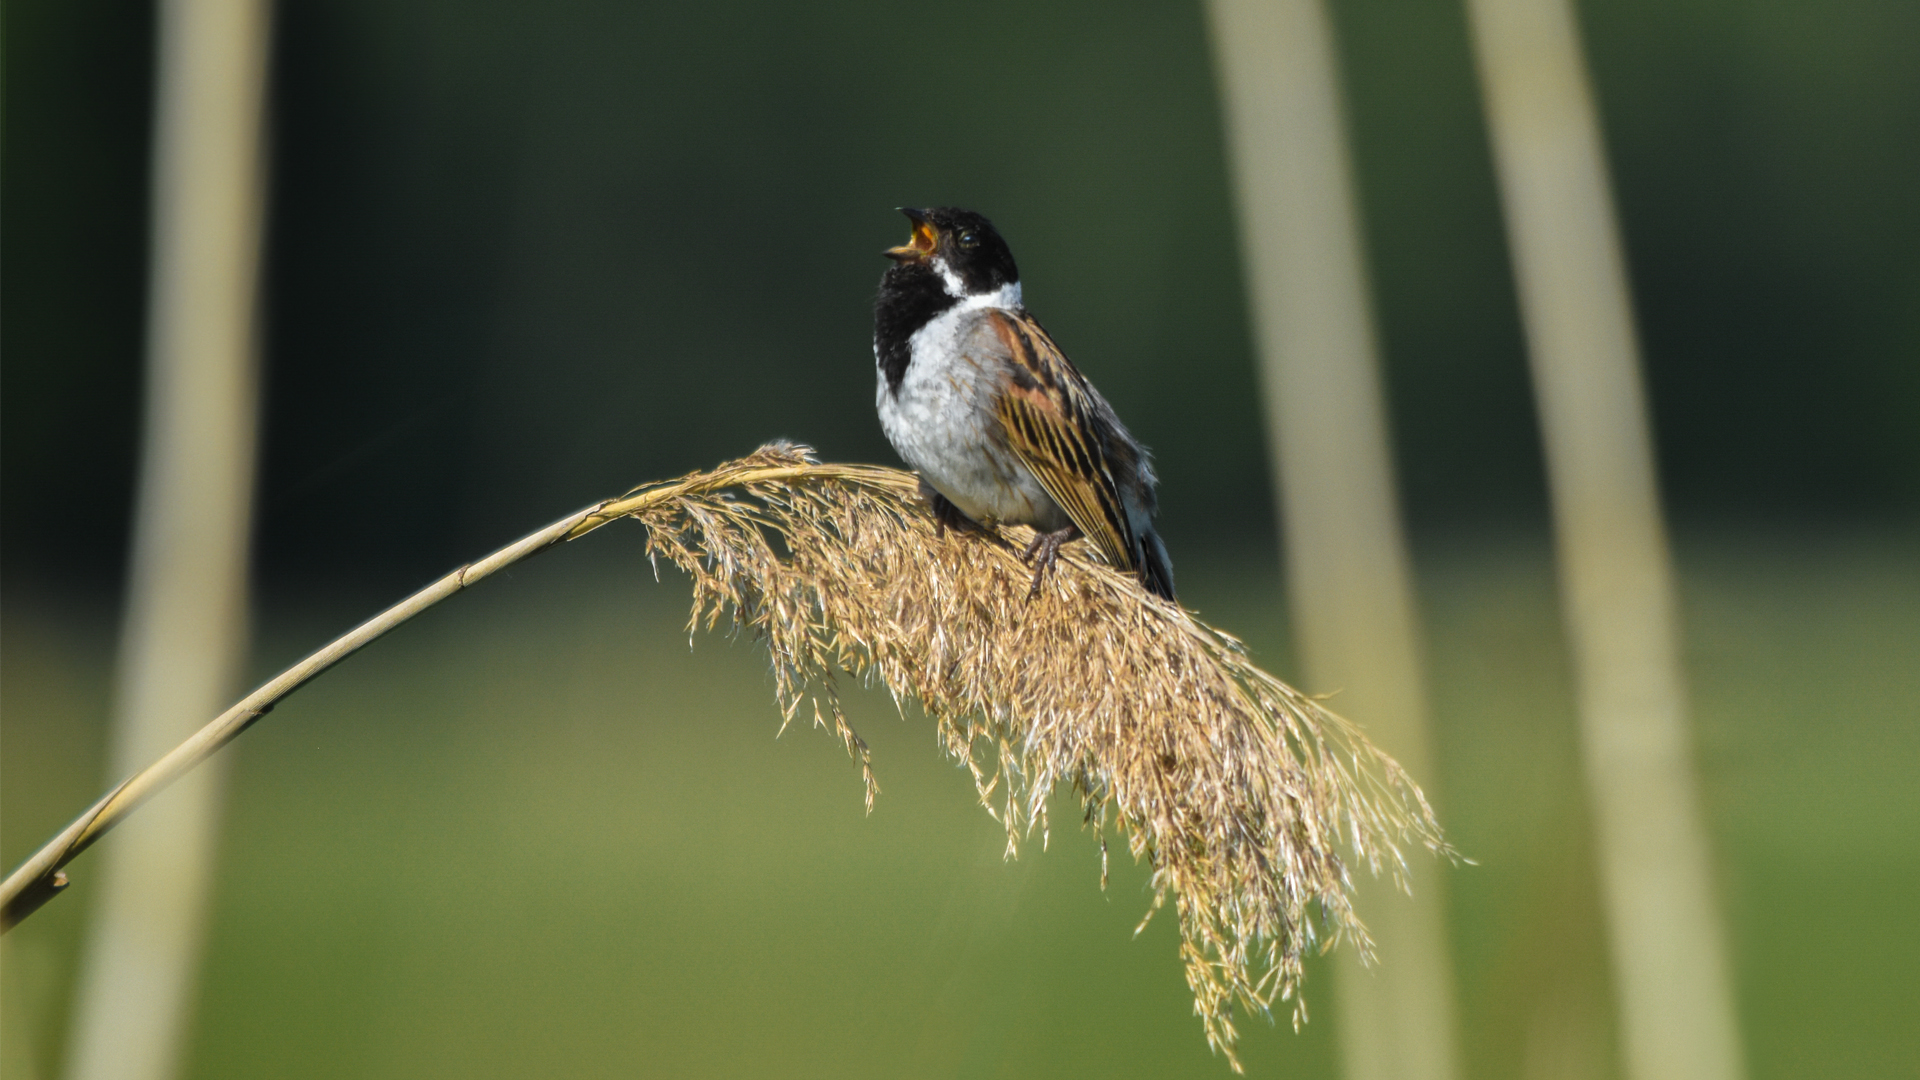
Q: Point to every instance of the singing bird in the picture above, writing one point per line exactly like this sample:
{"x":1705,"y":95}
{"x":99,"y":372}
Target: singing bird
{"x":1001,"y":426}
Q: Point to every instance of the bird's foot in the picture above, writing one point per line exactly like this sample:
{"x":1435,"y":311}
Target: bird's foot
{"x":1043,"y":552}
{"x":945,"y":514}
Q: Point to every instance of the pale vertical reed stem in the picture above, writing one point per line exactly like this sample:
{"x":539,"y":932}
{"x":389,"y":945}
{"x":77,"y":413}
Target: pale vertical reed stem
{"x":1677,"y":1019}
{"x":184,"y":639}
{"x":1347,"y":566}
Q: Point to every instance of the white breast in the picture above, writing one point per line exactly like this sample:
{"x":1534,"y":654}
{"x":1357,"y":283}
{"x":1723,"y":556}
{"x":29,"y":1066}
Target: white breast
{"x":941,"y":419}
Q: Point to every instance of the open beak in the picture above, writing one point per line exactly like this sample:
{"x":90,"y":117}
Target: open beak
{"x":923,"y":242}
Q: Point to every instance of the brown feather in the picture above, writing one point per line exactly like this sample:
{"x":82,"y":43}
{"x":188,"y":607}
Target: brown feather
{"x":1058,"y":428}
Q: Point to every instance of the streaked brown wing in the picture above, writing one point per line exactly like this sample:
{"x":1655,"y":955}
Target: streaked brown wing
{"x":1056,"y":428}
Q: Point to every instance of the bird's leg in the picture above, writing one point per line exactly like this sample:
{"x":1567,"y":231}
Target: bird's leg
{"x":1044,"y":551}
{"x":945,"y":514}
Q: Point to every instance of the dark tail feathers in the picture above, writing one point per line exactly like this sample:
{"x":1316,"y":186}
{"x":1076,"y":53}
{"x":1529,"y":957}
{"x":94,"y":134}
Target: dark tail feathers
{"x":1156,"y":570}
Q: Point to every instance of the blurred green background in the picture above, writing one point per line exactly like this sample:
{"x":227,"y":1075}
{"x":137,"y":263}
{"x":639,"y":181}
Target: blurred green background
{"x":524,"y":256}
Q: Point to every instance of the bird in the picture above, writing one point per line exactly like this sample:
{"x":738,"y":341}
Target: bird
{"x":975,"y":395}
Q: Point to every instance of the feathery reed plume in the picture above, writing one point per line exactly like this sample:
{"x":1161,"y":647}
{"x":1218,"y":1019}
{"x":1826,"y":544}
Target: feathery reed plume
{"x":1238,"y":790}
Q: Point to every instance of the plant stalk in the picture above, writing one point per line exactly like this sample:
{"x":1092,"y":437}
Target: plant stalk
{"x":38,"y":879}
{"x":1671,"y":978}
{"x":1348,"y":572}
{"x":184,"y":632}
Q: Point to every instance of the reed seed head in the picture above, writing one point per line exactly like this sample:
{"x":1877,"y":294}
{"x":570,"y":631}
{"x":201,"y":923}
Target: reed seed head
{"x":1248,"y":800}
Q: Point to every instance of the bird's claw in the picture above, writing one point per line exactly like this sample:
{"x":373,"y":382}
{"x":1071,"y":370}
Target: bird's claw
{"x":1043,"y":552}
{"x":945,"y":514}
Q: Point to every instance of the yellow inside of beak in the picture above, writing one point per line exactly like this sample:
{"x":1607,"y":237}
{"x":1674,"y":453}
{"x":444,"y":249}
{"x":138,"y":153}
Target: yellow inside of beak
{"x":920,"y":246}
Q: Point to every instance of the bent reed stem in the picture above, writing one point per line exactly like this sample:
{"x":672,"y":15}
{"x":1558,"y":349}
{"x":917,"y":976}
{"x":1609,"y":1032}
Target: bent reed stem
{"x":39,"y":879}
{"x":1248,"y":800}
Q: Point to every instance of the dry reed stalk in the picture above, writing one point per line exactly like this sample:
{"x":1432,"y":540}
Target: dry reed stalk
{"x":1235,"y":787}
{"x":1238,"y":790}
{"x":1348,"y":573}
{"x":184,"y":639}
{"x":1672,"y":980}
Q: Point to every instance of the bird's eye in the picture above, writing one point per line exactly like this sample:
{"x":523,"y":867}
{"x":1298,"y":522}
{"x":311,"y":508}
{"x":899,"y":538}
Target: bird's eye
{"x":969,"y":240}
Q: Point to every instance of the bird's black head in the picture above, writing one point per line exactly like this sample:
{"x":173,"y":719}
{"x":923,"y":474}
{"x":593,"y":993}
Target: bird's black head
{"x":953,"y":256}
{"x":961,"y":248}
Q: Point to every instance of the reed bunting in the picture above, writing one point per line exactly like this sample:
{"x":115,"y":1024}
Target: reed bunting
{"x":1001,"y":425}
